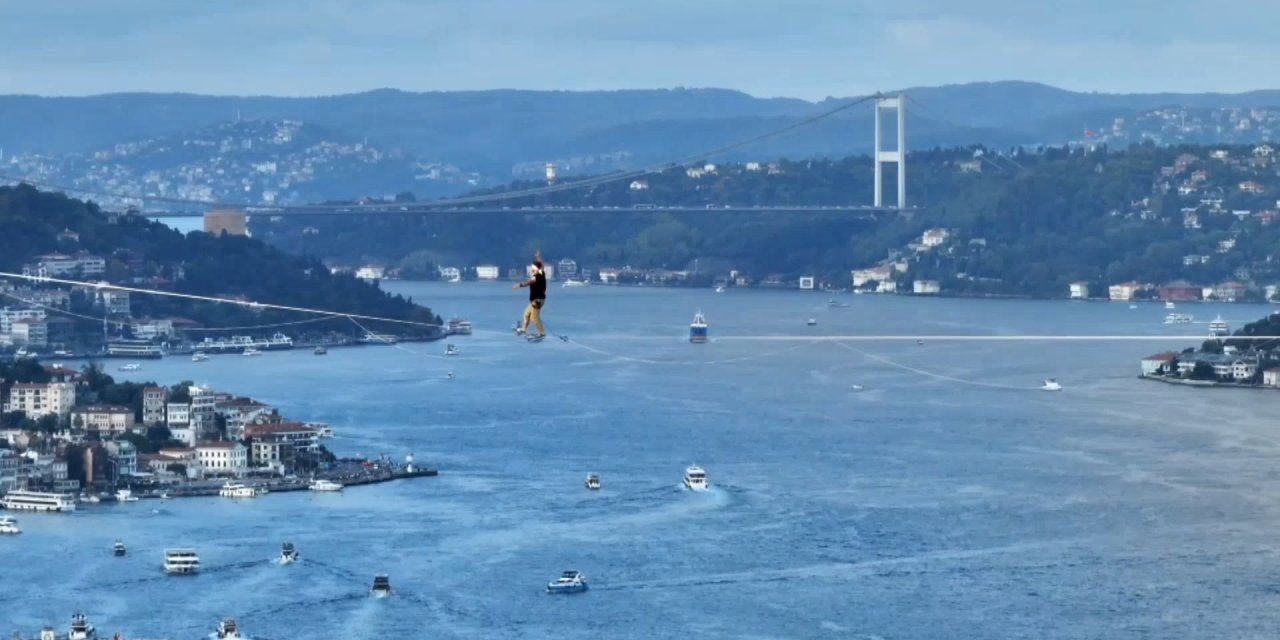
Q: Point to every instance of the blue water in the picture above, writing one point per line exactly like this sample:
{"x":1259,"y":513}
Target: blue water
{"x":947,"y":498}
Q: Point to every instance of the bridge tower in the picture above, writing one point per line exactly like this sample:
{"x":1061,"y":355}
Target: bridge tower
{"x":898,"y":156}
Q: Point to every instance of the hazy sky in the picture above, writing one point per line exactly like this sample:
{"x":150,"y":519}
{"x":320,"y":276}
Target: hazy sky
{"x":802,"y":48}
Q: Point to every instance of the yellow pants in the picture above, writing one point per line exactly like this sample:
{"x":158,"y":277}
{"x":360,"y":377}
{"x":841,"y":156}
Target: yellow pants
{"x":533,"y":313}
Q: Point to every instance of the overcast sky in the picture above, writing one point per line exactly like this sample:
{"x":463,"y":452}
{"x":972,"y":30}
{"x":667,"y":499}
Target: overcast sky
{"x":802,"y":48}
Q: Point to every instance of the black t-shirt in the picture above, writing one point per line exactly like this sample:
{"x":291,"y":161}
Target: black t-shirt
{"x":538,"y":290}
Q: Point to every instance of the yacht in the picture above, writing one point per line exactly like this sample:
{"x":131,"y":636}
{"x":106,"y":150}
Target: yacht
{"x":459,"y":326}
{"x":320,"y":350}
{"x":575,"y":283}
{"x":568,"y":582}
{"x":22,"y":500}
{"x":1219,"y":327}
{"x":125,"y":495}
{"x":381,"y":585}
{"x":856,"y":387}
{"x":251,"y":351}
{"x":132,"y":366}
{"x":227,"y":630}
{"x":1178,"y":318}
{"x":199,"y":356}
{"x":1170,"y":305}
{"x":695,"y":478}
{"x":1051,"y":385}
{"x":81,"y":629}
{"x":812,"y":322}
{"x":719,"y":288}
{"x":325,"y":485}
{"x":698,"y":329}
{"x":9,"y":526}
{"x":288,"y":553}
{"x":181,"y":561}
{"x":593,"y":481}
{"x":323,"y":430}
{"x":237,"y":490}
{"x":449,"y":376}
{"x":450,"y":350}
{"x":118,"y":549}
{"x":90,"y":498}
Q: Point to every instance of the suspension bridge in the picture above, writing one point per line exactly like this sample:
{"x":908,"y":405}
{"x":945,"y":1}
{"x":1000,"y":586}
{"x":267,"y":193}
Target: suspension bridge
{"x":500,"y":202}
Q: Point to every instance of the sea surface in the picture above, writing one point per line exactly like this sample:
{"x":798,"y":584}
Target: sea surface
{"x":947,"y":498}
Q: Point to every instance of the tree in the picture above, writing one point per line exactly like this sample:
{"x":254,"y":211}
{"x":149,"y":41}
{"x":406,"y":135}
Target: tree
{"x":47,"y":423}
{"x":177,"y":468}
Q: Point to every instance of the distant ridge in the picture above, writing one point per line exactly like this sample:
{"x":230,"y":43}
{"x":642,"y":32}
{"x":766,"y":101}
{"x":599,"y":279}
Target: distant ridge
{"x":490,"y":131}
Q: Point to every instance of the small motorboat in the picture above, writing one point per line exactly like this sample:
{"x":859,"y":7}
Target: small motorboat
{"x":118,"y":549}
{"x":320,"y":350}
{"x":1051,"y":385}
{"x":288,"y":554}
{"x":250,"y":351}
{"x":228,"y":630}
{"x":381,"y":586}
{"x":132,"y":366}
{"x":857,"y":387}
{"x":812,"y":322}
{"x":9,"y":526}
{"x":126,"y":495}
{"x":450,"y":375}
{"x":593,"y":481}
{"x":568,"y":582}
{"x":450,"y":350}
{"x":199,"y":356}
{"x":695,"y":478}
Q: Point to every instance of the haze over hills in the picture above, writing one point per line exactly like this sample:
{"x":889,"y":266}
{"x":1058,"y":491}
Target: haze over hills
{"x":493,"y":131}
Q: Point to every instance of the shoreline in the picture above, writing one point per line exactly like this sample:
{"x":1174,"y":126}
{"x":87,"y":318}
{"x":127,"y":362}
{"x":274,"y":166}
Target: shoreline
{"x":1203,"y":384}
{"x":277,"y":486}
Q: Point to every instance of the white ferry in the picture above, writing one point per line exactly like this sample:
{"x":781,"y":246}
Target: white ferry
{"x":288,"y":554}
{"x":237,"y":490}
{"x":698,"y":329}
{"x":1051,"y":385}
{"x":22,"y":500}
{"x":593,"y":481}
{"x":9,"y":526}
{"x":81,"y":629}
{"x":695,"y":478}
{"x":325,"y":485}
{"x":568,"y":582}
{"x":134,"y":349}
{"x":132,"y":366}
{"x":381,"y":585}
{"x":181,"y":561}
{"x":1178,"y":318}
{"x":227,"y":630}
{"x":199,"y":356}
{"x":237,"y":344}
{"x":1219,"y":327}
{"x":126,"y":495}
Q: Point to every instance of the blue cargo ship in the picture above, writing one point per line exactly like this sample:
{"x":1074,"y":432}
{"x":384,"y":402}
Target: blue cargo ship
{"x":698,"y":329}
